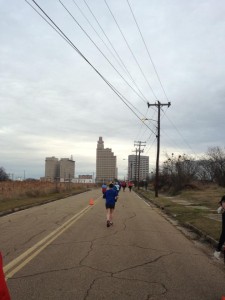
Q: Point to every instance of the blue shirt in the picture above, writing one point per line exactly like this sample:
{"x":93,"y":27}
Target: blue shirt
{"x":110,"y":196}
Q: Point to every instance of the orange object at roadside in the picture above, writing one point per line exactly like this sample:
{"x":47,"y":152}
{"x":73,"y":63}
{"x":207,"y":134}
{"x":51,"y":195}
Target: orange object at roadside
{"x":4,"y":293}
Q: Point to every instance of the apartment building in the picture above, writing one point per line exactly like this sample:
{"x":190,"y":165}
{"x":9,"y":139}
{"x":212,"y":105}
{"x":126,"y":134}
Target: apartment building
{"x":61,"y":170}
{"x":66,"y":169}
{"x":133,"y":167}
{"x":51,"y":168}
{"x":106,"y":169}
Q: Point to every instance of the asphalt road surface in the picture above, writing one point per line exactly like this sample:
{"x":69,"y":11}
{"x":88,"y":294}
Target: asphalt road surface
{"x":63,"y":250}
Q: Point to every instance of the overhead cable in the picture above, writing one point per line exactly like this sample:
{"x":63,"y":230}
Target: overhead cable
{"x":116,"y":57}
{"x":99,"y":49}
{"x":134,"y":57}
{"x":62,"y":34}
{"x":187,"y":144}
{"x":147,"y":50}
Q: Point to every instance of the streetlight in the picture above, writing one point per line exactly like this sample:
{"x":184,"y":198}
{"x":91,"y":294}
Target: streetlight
{"x":146,"y":119}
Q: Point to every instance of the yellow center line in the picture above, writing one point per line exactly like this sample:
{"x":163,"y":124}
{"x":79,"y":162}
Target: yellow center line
{"x":19,"y":262}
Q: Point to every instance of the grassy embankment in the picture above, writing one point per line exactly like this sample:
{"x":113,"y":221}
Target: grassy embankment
{"x":16,"y":195}
{"x":196,"y":207}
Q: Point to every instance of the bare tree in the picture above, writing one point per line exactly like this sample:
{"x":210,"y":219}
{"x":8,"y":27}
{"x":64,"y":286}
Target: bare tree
{"x":178,"y":172}
{"x":216,"y":164}
{"x":3,"y":175}
{"x":204,"y":170}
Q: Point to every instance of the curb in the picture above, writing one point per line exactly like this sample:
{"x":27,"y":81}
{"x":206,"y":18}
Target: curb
{"x":206,"y":237}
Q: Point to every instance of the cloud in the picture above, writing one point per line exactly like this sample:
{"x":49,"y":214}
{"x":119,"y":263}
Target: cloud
{"x":55,"y":104}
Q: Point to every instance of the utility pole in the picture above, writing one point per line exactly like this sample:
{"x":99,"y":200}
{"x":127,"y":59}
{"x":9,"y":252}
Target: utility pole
{"x":158,"y":105}
{"x":139,"y":144}
{"x":135,"y":167}
{"x":131,"y":165}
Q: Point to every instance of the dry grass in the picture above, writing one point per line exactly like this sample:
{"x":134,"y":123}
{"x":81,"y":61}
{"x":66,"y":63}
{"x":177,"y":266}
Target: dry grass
{"x":208,"y":195}
{"x":18,"y":194}
{"x":204,"y":196}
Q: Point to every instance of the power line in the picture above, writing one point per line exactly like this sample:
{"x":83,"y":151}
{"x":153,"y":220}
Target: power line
{"x":54,"y":28}
{"x":150,"y":119}
{"x":117,"y":54}
{"x":62,"y":34}
{"x":147,"y":50}
{"x":131,"y":50}
{"x":99,"y":49}
{"x":118,"y":60}
{"x":180,"y":134}
{"x":149,"y":147}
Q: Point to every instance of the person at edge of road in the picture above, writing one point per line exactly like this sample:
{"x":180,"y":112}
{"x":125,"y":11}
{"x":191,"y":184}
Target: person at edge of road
{"x":124,"y":185}
{"x":111,"y":196}
{"x":130,"y":185}
{"x":221,"y":210}
{"x":104,"y":188}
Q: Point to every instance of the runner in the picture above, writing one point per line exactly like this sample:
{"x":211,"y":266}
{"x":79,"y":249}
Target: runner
{"x":130,"y":185}
{"x":104,"y":188}
{"x":111,"y":196}
{"x":124,"y":185}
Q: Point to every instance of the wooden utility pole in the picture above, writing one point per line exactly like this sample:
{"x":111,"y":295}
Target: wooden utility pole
{"x":139,"y":144}
{"x":135,"y":167}
{"x":158,"y":105}
{"x":131,"y":165}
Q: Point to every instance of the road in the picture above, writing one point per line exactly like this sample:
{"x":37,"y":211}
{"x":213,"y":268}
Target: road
{"x":63,"y":250}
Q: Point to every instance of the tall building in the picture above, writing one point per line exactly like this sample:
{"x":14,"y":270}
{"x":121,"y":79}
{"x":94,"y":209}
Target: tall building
{"x":133,"y":167}
{"x":66,"y":169}
{"x":63,"y":169}
{"x":106,"y":169}
{"x":51,"y":168}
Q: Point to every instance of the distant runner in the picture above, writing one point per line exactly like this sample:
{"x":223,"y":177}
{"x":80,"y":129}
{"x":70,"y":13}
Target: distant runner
{"x":130,"y":185}
{"x":104,"y":188}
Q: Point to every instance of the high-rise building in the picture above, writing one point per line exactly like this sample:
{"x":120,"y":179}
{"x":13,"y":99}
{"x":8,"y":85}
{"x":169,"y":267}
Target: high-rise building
{"x":133,"y":167}
{"x":66,"y":169}
{"x":106,"y":169}
{"x":63,"y":169}
{"x":51,"y":168}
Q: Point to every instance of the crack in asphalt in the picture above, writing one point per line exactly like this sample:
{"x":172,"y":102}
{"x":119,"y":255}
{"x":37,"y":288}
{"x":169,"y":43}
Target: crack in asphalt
{"x":162,"y":285}
{"x":33,"y":236}
{"x":113,"y":274}
{"x":105,"y":274}
{"x":144,"y":264}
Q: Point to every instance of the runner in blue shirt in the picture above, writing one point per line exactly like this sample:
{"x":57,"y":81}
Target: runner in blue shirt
{"x":111,"y":196}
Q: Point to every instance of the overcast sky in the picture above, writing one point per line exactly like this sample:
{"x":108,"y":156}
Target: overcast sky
{"x":53,"y":103}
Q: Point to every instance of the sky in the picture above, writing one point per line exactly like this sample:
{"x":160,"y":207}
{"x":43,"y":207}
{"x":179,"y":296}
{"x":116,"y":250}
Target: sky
{"x":59,"y":95}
